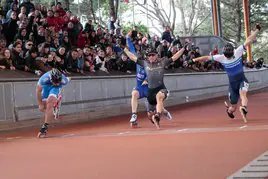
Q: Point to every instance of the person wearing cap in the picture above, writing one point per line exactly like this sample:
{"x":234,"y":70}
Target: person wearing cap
{"x":154,"y":68}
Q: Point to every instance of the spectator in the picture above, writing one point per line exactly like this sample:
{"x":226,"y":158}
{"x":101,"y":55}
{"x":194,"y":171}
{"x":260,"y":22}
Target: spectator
{"x":14,"y":8}
{"x":60,"y":60}
{"x":111,"y":25}
{"x":72,"y":61}
{"x":155,"y":42}
{"x":88,"y":59}
{"x":167,"y":34}
{"x":26,"y":47}
{"x":6,"y":60}
{"x":30,"y":61}
{"x":99,"y":62}
{"x":22,"y":35}
{"x":28,"y":5}
{"x":80,"y":61}
{"x":214,"y":51}
{"x":60,"y":10}
{"x":123,"y":64}
{"x":163,"y":49}
{"x":89,"y":27}
{"x":110,"y":58}
{"x":17,"y":60}
{"x":11,"y":28}
{"x":3,"y":44}
{"x":82,"y":40}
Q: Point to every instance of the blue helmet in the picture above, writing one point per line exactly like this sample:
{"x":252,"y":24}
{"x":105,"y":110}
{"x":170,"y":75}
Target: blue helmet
{"x":55,"y":75}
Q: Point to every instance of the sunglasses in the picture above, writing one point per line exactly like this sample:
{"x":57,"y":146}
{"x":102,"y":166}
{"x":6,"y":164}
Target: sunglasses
{"x":30,"y":44}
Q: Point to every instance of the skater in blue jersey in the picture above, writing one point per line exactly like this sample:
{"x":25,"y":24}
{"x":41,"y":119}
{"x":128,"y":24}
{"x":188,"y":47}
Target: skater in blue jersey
{"x":47,"y":90}
{"x":233,"y":65}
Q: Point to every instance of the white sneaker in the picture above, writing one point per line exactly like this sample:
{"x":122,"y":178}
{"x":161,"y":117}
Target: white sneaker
{"x":167,"y":115}
{"x":133,"y":118}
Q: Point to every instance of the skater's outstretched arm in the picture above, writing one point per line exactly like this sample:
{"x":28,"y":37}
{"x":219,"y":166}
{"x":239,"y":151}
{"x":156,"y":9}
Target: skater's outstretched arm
{"x":203,"y":58}
{"x":253,"y":36}
{"x":179,"y":53}
{"x":131,"y":55}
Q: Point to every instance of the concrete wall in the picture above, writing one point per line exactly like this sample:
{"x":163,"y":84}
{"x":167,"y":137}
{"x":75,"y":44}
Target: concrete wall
{"x":101,"y":97}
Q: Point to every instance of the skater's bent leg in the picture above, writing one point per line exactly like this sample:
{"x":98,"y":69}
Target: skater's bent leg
{"x":244,"y":99}
{"x":160,"y":102}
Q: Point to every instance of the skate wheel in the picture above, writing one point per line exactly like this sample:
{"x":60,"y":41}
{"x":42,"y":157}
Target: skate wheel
{"x":134,"y":124}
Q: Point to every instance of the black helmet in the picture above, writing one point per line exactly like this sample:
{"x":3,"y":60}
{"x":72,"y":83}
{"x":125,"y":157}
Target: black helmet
{"x":150,"y":50}
{"x":55,"y":75}
{"x":228,"y":50}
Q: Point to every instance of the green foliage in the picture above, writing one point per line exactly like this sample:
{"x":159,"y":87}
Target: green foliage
{"x":141,"y":28}
{"x":259,"y":49}
{"x":49,"y":2}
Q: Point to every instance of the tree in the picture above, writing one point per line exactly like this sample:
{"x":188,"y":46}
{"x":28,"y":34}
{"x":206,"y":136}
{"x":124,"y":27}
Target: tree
{"x":141,"y":28}
{"x":67,"y":4}
{"x":232,"y":16}
{"x":193,"y":14}
{"x":157,"y":14}
{"x":113,"y":8}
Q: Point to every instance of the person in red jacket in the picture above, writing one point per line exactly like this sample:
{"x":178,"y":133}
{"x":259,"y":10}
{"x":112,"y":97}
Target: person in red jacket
{"x":58,"y":21}
{"x":60,"y":10}
{"x":82,"y":39}
{"x":50,"y":18}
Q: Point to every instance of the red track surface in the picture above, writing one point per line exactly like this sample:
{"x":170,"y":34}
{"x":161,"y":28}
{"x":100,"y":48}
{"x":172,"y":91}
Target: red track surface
{"x":200,"y":142}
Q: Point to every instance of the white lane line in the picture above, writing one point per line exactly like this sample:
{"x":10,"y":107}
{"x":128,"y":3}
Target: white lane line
{"x":181,"y":130}
{"x":244,"y":126}
{"x":11,"y":138}
{"x":67,"y":135}
{"x":121,"y":133}
{"x":163,"y":132}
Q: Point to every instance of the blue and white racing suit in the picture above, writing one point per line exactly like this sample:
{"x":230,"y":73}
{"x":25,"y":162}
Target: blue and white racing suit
{"x":235,"y":72}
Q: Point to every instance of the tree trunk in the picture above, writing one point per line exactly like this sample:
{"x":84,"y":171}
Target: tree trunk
{"x":91,"y":13}
{"x":111,"y":8}
{"x":184,"y":27}
{"x":174,"y":16}
{"x":67,"y":4}
{"x":116,"y":8}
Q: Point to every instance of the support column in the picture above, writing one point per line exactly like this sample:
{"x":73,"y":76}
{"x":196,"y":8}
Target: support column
{"x":219,"y":17}
{"x":246,"y":21}
{"x":215,"y":17}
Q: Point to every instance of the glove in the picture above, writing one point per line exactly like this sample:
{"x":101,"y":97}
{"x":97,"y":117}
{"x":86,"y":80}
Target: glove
{"x":258,"y":26}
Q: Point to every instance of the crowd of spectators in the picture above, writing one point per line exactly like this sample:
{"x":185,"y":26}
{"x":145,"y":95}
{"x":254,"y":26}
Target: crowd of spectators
{"x":35,"y":39}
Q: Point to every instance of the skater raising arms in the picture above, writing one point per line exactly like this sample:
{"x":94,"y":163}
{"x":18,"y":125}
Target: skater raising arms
{"x":154,"y":68}
{"x":233,"y":65}
{"x":140,"y":90}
